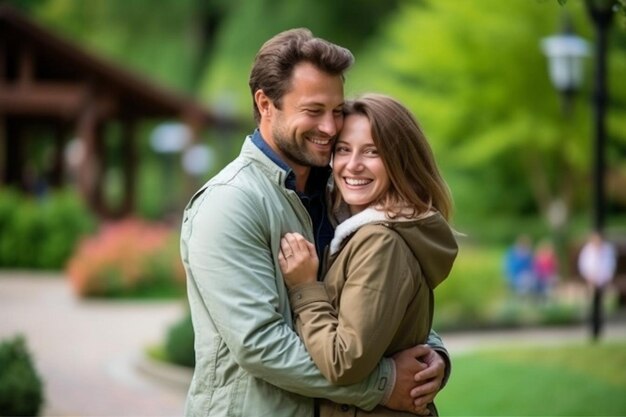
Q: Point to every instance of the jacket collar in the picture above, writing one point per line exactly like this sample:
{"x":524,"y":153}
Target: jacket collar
{"x":263,"y":157}
{"x":368,"y":216}
{"x":352,"y":224}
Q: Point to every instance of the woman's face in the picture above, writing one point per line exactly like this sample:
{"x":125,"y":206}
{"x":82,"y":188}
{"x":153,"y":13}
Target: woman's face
{"x":358,"y":169}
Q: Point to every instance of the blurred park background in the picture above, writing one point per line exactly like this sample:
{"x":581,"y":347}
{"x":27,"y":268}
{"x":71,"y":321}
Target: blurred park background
{"x":113,"y":112}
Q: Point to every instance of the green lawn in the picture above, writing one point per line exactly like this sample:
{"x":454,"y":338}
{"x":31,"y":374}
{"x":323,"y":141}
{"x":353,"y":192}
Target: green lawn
{"x":577,"y":380}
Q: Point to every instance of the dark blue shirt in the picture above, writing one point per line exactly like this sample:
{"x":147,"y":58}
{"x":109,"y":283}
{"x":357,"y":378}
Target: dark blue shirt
{"x":313,"y":198}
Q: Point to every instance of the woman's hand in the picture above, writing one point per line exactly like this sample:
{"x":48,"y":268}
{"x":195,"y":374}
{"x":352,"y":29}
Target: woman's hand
{"x":297,"y":260}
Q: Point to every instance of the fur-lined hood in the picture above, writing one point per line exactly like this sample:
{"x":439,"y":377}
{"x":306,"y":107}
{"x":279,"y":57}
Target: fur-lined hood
{"x":429,"y":237}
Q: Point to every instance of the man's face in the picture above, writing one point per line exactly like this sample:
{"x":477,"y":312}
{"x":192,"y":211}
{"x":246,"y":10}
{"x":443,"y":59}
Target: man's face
{"x":305,"y":129}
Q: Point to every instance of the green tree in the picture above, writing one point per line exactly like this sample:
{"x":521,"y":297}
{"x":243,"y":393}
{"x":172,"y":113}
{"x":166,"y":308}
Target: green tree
{"x":477,"y":80}
{"x":249,"y":23}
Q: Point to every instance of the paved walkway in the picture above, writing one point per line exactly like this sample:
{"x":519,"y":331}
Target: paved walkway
{"x":88,"y":351}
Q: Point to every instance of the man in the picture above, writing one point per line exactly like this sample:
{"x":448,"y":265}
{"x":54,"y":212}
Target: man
{"x":249,"y":361}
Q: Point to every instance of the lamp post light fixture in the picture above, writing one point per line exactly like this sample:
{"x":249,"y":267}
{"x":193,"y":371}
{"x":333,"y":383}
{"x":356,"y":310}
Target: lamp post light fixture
{"x":565,"y":52}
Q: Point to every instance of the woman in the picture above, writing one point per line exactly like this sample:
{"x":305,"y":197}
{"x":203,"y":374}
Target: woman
{"x":391,"y":250}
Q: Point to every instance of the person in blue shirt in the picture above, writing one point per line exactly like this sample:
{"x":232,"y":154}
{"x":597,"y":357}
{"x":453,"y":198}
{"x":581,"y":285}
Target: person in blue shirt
{"x":518,"y":264}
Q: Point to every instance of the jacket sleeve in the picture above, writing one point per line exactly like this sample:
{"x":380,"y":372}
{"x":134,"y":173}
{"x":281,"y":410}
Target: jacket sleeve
{"x":230,"y":261}
{"x":435,"y":342}
{"x":346,"y":344}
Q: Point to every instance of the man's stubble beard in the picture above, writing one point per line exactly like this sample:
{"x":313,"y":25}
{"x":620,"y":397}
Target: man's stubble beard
{"x":296,"y":151}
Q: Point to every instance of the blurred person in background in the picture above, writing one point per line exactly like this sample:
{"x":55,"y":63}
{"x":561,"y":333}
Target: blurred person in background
{"x":249,"y":360}
{"x":518,"y":266}
{"x":386,"y":257}
{"x":596,"y":264}
{"x":545,"y":266}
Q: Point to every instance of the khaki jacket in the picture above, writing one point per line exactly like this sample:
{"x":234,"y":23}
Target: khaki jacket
{"x":376,"y":299}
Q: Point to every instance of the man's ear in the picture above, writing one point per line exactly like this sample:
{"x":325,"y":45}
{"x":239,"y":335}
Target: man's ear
{"x":263,"y":103}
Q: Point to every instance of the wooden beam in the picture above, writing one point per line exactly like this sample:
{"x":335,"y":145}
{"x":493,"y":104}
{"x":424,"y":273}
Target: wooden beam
{"x":55,"y":99}
{"x":60,"y":100}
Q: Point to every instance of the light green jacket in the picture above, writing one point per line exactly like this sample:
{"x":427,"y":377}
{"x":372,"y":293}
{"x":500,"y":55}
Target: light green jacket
{"x":249,"y":361}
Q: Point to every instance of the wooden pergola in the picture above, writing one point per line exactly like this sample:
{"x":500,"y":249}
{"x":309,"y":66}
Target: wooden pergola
{"x":50,"y":85}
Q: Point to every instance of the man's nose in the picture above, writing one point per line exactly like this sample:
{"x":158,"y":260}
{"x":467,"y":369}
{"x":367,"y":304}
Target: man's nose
{"x":328,"y":125}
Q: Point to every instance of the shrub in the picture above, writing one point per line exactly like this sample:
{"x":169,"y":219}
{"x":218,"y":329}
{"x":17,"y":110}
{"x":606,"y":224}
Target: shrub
{"x":474,"y":286}
{"x":179,"y":342}
{"x":475,"y":296}
{"x":21,"y":388}
{"x":130,"y":257}
{"x":41,"y":233}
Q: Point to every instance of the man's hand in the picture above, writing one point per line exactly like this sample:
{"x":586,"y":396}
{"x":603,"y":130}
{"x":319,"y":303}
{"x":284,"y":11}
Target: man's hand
{"x":408,"y":369}
{"x":428,"y":380}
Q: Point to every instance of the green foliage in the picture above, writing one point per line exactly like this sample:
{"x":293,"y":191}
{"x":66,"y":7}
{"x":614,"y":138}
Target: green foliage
{"x":480,"y":90}
{"x":569,"y":380}
{"x":475,"y":296}
{"x":484,"y":99}
{"x":179,"y":343}
{"x":182,"y":42}
{"x":470,"y":292}
{"x":21,"y":388}
{"x":349,"y":23}
{"x":152,"y":201}
{"x":41,"y":233}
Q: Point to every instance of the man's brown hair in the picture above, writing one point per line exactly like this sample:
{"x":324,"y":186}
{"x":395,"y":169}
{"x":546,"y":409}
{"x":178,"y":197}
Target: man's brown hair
{"x":275,"y":61}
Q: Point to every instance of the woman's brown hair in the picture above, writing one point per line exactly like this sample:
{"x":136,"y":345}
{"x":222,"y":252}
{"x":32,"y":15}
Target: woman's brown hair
{"x":415,"y":181}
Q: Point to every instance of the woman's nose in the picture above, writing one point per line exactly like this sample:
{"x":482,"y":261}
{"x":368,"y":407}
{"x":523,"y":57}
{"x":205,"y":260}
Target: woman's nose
{"x":354,"y":163}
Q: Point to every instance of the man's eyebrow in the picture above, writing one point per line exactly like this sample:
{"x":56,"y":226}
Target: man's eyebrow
{"x":319,"y":104}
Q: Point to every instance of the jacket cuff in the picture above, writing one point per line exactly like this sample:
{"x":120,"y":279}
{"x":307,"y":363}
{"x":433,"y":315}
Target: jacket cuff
{"x":304,"y":294}
{"x":446,"y":358}
{"x":387,"y":379}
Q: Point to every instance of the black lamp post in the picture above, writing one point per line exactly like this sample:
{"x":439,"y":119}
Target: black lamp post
{"x":601,"y":14}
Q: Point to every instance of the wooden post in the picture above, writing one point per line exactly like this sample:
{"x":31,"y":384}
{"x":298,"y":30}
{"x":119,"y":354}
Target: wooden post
{"x":129,"y":166}
{"x":3,"y":124}
{"x":58,"y":172}
{"x":88,"y":171}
